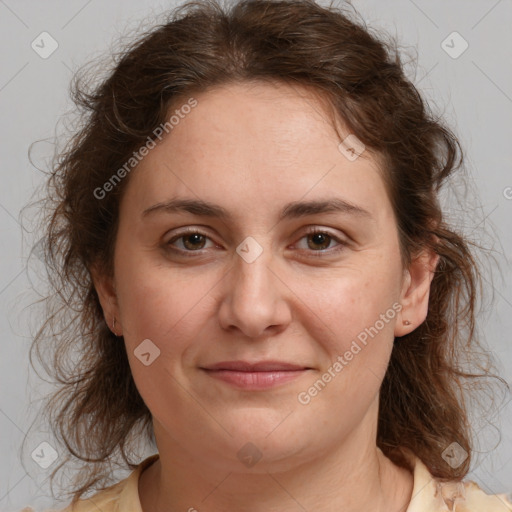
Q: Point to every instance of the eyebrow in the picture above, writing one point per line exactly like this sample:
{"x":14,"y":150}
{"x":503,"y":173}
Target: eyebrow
{"x":292,"y":210}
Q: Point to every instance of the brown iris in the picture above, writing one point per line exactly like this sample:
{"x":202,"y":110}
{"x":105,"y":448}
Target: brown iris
{"x":319,"y":239}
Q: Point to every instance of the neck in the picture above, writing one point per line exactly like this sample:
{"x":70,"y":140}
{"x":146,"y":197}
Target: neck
{"x":353,"y":476}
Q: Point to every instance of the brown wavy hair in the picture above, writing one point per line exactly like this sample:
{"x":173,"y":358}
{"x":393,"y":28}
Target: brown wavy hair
{"x":97,"y":412}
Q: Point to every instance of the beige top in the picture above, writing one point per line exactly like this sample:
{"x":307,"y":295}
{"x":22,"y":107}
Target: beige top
{"x":428,"y":495}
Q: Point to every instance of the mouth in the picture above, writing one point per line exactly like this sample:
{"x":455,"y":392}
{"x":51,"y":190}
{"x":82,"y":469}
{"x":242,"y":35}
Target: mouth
{"x":255,"y":376}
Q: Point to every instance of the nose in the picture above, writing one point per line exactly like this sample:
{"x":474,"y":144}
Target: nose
{"x":255,"y":298}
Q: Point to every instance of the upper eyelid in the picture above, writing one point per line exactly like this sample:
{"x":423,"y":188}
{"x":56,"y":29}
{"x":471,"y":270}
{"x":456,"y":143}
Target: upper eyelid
{"x":190,"y":229}
{"x":317,"y":229}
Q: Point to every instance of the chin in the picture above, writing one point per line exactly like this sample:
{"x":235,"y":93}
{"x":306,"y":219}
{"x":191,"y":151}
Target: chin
{"x":264,"y":446}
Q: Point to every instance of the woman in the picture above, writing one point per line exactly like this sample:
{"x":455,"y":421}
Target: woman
{"x":248,"y":231}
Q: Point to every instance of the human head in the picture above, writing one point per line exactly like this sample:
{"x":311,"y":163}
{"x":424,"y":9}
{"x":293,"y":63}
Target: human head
{"x":361,"y":82}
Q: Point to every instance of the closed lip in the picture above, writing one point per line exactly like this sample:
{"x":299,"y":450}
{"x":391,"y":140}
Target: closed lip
{"x":260,"y":366}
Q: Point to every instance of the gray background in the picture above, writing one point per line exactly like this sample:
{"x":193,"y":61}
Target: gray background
{"x":473,"y":91}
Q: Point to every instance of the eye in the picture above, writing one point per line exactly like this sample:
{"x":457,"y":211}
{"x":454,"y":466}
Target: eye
{"x":188,"y":241}
{"x":319,"y":241}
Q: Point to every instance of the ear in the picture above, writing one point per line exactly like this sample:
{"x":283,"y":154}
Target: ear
{"x":415,"y":291}
{"x":105,"y":288}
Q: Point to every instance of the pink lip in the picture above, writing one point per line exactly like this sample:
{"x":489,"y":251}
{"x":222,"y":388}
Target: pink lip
{"x":254,"y":376}
{"x":261,"y":366}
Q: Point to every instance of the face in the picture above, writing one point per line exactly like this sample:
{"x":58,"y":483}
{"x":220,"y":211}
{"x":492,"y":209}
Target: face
{"x":246,"y":237}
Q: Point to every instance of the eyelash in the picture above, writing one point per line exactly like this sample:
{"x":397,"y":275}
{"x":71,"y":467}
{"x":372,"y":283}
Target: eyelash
{"x":310,"y":231}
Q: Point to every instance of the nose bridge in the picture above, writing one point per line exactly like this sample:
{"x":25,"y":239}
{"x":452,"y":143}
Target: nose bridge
{"x":253,"y":279}
{"x":252,"y":268}
{"x":252,"y":301}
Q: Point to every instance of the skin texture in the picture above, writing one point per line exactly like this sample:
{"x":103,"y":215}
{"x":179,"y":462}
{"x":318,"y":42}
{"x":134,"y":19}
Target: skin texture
{"x":252,"y":149}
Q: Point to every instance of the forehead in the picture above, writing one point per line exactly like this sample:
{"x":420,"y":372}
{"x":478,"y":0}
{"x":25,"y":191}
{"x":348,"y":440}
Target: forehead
{"x":246,"y":113}
{"x":256,"y":140}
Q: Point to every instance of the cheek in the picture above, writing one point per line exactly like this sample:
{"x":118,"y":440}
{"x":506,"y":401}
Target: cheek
{"x":161,"y":304}
{"x":165,"y":312}
{"x":354,"y":324}
{"x":353,"y":305}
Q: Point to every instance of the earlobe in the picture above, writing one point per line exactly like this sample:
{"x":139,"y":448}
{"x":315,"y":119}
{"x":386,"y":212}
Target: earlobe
{"x":416,"y":291}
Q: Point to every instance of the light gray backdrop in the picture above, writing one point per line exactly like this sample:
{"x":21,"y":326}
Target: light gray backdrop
{"x":472,"y":86}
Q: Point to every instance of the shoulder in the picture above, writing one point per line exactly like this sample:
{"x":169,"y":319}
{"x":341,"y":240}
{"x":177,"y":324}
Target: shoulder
{"x":106,"y":500}
{"x":432,"y":495}
{"x":475,"y":499}
{"x":467,"y":496}
{"x":123,"y":495}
